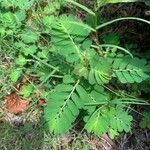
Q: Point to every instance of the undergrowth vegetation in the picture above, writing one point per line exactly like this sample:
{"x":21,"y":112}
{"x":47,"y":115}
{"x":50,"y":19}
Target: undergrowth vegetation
{"x":83,"y":79}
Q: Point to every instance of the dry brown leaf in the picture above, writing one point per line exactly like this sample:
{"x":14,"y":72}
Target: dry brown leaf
{"x":14,"y":104}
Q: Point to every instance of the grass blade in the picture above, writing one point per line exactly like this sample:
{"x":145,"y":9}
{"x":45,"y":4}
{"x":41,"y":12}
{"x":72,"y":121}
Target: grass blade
{"x":121,"y":19}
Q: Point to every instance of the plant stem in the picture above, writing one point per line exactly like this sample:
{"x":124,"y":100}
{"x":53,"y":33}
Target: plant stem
{"x":45,"y":63}
{"x":95,"y":26}
{"x":52,"y":73}
{"x":131,"y":103}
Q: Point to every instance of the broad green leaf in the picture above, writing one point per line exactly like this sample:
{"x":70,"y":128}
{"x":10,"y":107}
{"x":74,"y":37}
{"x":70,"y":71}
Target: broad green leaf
{"x":15,"y":74}
{"x":25,"y":48}
{"x":21,"y":60}
{"x":29,"y":36}
{"x":8,"y":20}
{"x":30,"y":50}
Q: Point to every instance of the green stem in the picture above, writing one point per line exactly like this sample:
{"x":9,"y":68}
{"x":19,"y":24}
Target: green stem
{"x":102,"y":103}
{"x":50,"y":75}
{"x":117,"y":47}
{"x":121,"y":19}
{"x":45,"y":63}
{"x":112,"y":91}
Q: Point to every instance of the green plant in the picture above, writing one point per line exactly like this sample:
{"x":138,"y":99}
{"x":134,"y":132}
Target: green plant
{"x":77,"y":69}
{"x":93,"y":71}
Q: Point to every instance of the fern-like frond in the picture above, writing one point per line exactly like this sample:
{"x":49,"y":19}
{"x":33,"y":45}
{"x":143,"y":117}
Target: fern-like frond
{"x":104,"y":120}
{"x":67,"y":33}
{"x":129,"y":70}
{"x":100,"y":71}
{"x":120,"y":120}
{"x":95,"y":69}
{"x":97,"y":123}
{"x":98,"y":97}
{"x":63,"y":107}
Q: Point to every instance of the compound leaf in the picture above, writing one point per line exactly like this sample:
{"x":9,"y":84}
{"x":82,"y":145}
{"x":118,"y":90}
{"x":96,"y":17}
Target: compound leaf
{"x":67,"y":33}
{"x":100,"y":71}
{"x":130,"y":70}
{"x":63,"y":107}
